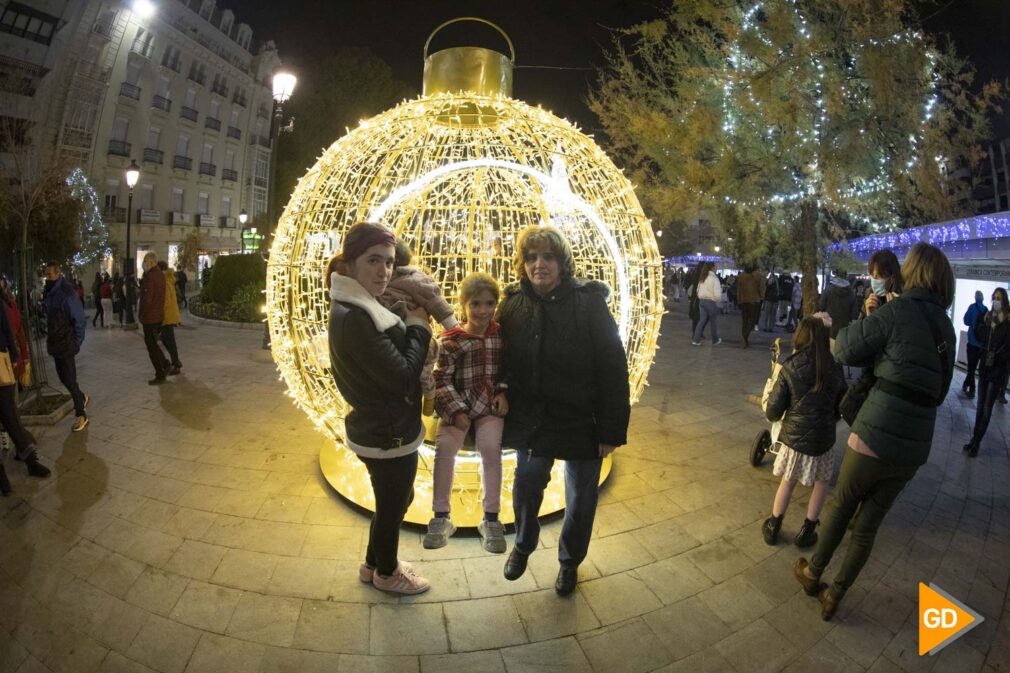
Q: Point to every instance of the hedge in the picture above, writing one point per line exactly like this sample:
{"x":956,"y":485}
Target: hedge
{"x":232,"y":273}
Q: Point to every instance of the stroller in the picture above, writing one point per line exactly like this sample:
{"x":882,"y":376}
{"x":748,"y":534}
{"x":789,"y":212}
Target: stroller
{"x":765,"y":441}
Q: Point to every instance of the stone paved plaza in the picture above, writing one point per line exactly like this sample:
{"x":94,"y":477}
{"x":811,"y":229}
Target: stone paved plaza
{"x":188,"y":529}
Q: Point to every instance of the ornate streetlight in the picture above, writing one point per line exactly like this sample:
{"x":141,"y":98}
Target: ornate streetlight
{"x":243,"y":217}
{"x":132,"y":176}
{"x":283,"y":85}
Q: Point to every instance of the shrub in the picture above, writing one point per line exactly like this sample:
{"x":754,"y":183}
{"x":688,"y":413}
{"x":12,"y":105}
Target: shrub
{"x":245,"y":303}
{"x":233,"y":273}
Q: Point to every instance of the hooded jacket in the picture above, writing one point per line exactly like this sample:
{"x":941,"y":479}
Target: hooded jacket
{"x":565,"y":368}
{"x":971,"y":319}
{"x":376,"y":362}
{"x":840,"y":303}
{"x":810,"y":415}
{"x":152,"y":297}
{"x":466,"y":374}
{"x":64,"y":319}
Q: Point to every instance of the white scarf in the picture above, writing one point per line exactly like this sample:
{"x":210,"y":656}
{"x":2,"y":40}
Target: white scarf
{"x":350,"y":291}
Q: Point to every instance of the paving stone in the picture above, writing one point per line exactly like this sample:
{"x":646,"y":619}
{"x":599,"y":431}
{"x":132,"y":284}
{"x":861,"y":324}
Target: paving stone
{"x":195,"y":559}
{"x":551,"y":656}
{"x":736,"y":602}
{"x":243,"y":569}
{"x":288,"y":660}
{"x":824,"y":658}
{"x":413,"y":629}
{"x":887,"y":607}
{"x":757,"y":647}
{"x":687,"y":627}
{"x":116,"y":574}
{"x":220,"y":654}
{"x":482,"y":624}
{"x":466,"y":662}
{"x":206,"y":606}
{"x":706,"y":661}
{"x":74,"y":651}
{"x":302,"y":577}
{"x":117,"y":663}
{"x":333,"y":627}
{"x":719,"y":560}
{"x":630,"y":646}
{"x":546,"y":616}
{"x":485,"y":578}
{"x":157,"y":591}
{"x":619,"y":597}
{"x":265,"y":619}
{"x":355,"y":663}
{"x":164,"y":645}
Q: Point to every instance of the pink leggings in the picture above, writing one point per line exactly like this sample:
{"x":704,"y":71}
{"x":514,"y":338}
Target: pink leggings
{"x":487,"y":435}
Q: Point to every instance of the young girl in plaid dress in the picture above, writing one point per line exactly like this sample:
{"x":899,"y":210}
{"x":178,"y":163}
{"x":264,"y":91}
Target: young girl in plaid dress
{"x":468,"y":392}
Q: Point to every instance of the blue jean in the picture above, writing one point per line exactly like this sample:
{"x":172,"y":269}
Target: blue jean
{"x":709,"y":311}
{"x":582,"y":491}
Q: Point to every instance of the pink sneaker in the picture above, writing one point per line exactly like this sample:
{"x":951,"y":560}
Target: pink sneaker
{"x":403,"y":581}
{"x":365,"y":571}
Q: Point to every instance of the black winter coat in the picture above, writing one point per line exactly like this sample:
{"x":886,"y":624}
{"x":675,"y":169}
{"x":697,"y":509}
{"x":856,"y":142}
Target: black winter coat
{"x":995,"y":340}
{"x":566,"y":370}
{"x":378,"y":373}
{"x":810,"y":416}
{"x":841,"y":304}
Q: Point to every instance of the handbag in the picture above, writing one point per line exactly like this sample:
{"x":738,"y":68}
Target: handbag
{"x":7,"y":377}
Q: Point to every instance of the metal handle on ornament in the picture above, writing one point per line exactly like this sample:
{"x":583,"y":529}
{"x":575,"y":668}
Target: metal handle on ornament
{"x":512,"y":50}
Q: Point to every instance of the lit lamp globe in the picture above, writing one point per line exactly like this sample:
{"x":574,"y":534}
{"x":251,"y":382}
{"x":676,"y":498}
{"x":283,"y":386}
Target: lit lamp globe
{"x":456,"y":174}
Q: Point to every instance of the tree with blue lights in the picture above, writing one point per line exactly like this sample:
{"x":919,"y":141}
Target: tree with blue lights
{"x":805,"y":119}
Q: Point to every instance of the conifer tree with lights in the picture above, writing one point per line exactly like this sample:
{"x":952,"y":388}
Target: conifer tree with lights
{"x":817,"y":117}
{"x":93,"y":234}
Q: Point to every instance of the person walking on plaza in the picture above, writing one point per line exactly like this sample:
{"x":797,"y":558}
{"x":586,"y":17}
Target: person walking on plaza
{"x":96,"y":296}
{"x":376,"y":363}
{"x":840,"y":303}
{"x":974,"y":346}
{"x":910,"y":343}
{"x":750,"y":289}
{"x":171,"y":319}
{"x":118,"y":297}
{"x":468,"y":392}
{"x":152,"y":315}
{"x":796,"y":309}
{"x":771,"y":303}
{"x":805,"y":397}
{"x":693,"y":303}
{"x":566,"y":374}
{"x":105,"y":296}
{"x":24,"y":442}
{"x":65,"y":325}
{"x":993,"y":330}
{"x":180,"y":286}
{"x":709,"y":291}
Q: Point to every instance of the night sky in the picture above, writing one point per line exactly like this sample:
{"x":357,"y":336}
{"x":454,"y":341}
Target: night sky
{"x":562,"y":33}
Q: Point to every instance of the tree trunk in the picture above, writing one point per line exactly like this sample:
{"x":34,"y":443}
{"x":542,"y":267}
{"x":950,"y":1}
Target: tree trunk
{"x":808,"y":255}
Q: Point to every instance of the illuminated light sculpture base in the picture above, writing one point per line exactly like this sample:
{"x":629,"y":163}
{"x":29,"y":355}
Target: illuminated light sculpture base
{"x":347,"y":474}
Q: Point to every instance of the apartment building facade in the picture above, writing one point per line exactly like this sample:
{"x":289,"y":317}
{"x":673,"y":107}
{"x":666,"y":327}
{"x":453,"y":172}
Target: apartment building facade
{"x":172,"y":85}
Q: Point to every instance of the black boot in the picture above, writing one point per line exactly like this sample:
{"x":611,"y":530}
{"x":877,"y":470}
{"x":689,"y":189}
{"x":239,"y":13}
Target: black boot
{"x":35,"y":468}
{"x":5,"y":485}
{"x":770,"y":529}
{"x":807,"y":537}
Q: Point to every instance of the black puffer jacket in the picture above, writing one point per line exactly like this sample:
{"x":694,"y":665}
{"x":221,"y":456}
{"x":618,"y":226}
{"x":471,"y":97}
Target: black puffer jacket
{"x":995,"y":339}
{"x":566,"y":371}
{"x":810,"y":416}
{"x":378,"y":373}
{"x":841,"y":304}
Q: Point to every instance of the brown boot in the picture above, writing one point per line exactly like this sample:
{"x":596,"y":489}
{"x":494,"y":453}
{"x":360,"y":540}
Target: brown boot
{"x":829,"y":603}
{"x":811,"y":587}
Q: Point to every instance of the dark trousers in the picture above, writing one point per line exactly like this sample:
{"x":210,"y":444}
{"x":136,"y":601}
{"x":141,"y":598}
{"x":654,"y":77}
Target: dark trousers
{"x":154,"y":351}
{"x":168,"y":338}
{"x":582,"y":490}
{"x":393,"y":485}
{"x":989,"y":390}
{"x":11,"y":422}
{"x":180,"y":291}
{"x":872,"y":486}
{"x":99,"y":311}
{"x":974,"y":352}
{"x":768,"y":315}
{"x":748,"y":319}
{"x":66,"y":369}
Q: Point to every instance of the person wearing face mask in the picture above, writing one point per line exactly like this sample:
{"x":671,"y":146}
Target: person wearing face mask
{"x":152,"y":315}
{"x":885,"y":280}
{"x":974,"y":347}
{"x":994,"y":332}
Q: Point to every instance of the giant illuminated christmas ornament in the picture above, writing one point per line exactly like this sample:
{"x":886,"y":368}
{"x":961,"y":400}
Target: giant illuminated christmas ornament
{"x":456,"y":173}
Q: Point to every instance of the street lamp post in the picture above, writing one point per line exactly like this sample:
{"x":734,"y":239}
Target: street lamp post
{"x":132,"y":176}
{"x":284,"y":86}
{"x":243,"y":216}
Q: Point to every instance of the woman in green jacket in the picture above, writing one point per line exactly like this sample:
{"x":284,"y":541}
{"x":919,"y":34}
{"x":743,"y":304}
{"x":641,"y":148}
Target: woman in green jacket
{"x":910,"y":344}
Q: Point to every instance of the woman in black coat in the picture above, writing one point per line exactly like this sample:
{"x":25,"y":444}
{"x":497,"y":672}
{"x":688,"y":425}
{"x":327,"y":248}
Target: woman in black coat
{"x":568,"y":394}
{"x":993,"y":331}
{"x":376,"y":360}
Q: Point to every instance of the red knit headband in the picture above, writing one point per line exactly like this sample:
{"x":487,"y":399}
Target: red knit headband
{"x":374,"y":237}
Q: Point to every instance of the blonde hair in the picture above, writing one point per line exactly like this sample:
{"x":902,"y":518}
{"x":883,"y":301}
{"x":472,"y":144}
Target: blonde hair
{"x":555,"y":240}
{"x":927,"y":267}
{"x":473,"y":285}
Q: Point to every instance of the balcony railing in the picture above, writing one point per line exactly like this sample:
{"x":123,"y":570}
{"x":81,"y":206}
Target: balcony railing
{"x":219,"y":90}
{"x":185,"y":163}
{"x":103,"y":28}
{"x":208,"y":169}
{"x":261,"y":140}
{"x":114,"y":214}
{"x":261,"y":182}
{"x":128,"y":90}
{"x":188,"y":113}
{"x":161,"y":103}
{"x":241,"y":101}
{"x":234,"y":133}
{"x":229,"y":174}
{"x":120,"y":148}
{"x":212,"y":124}
{"x":153,"y":156}
{"x":198,"y":78}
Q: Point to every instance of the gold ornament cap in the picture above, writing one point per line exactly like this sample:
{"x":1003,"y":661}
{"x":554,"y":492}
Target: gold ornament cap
{"x":477,"y":70}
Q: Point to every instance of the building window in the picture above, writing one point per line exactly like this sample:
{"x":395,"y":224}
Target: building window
{"x":207,"y":9}
{"x":259,"y":202}
{"x":14,"y":131}
{"x":120,"y":129}
{"x":143,"y":43}
{"x":146,"y":201}
{"x":29,"y":23}
{"x":203,"y":204}
{"x":172,"y":58}
{"x":178,"y":198}
{"x":229,"y":160}
{"x":208,"y":153}
{"x":154,"y":137}
{"x":226,"y":205}
{"x":182,"y":146}
{"x":20,"y":77}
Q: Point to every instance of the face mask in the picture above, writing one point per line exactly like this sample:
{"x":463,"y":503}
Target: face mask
{"x":878,"y":286}
{"x":997,"y":305}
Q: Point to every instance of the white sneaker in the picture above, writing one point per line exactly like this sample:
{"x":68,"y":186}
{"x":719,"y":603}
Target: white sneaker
{"x":717,"y":342}
{"x":440,"y":529}
{"x":366,"y":572}
{"x":403,"y":581}
{"x":492,"y":535}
